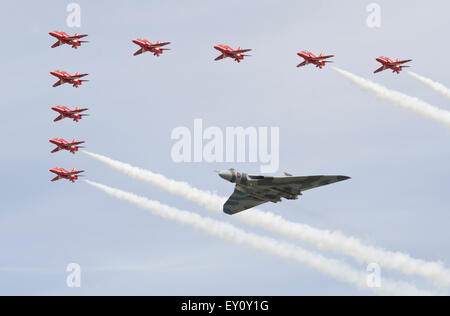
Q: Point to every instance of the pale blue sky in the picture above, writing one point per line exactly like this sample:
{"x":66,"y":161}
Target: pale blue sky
{"x":397,"y":198}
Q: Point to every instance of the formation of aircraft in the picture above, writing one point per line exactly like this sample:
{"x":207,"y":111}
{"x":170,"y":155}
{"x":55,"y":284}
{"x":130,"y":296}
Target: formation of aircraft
{"x":62,"y":173}
{"x":62,"y":144}
{"x":253,"y":190}
{"x":65,"y":112}
{"x":387,"y":63}
{"x":310,"y":58}
{"x":64,"y":77}
{"x":227,"y":51}
{"x":250,"y":190}
{"x":147,"y":46}
{"x":64,"y":38}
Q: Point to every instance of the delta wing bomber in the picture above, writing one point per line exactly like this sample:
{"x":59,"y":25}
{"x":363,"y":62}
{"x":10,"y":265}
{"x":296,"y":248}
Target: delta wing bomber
{"x":253,"y":190}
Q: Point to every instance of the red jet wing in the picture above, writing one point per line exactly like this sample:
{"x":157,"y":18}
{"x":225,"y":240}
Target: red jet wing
{"x":139,"y":51}
{"x":322,"y":57}
{"x":77,"y":143}
{"x":220,"y":57}
{"x":159,"y":44}
{"x":76,"y":36}
{"x":58,"y":43}
{"x":73,"y":172}
{"x":240,"y":51}
{"x":76,"y":111}
{"x":380,"y":69}
{"x":401,"y":62}
{"x":57,"y":83}
{"x":77,"y":76}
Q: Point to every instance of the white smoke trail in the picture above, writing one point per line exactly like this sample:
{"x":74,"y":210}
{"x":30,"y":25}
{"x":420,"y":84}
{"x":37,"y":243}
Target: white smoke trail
{"x":436,"y":86}
{"x":333,"y":268}
{"x":400,"y":99}
{"x":322,"y":239}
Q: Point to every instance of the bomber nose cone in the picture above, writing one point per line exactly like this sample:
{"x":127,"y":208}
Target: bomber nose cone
{"x":226,"y":174}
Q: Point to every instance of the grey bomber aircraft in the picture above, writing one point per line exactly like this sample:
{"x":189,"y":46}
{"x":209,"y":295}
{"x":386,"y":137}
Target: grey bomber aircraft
{"x":253,"y":190}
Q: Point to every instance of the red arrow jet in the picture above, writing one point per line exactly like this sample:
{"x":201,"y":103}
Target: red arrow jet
{"x":227,"y":51}
{"x":146,"y":46}
{"x":66,"y":112}
{"x":390,"y":64}
{"x":64,"y":38}
{"x":65,"y":145}
{"x":62,"y":173}
{"x":64,"y":77}
{"x":310,"y":58}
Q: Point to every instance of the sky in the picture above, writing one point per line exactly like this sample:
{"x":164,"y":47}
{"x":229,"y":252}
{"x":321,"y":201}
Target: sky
{"x":397,"y":198}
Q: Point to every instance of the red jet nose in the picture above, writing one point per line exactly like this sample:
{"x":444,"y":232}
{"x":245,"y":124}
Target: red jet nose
{"x":136,"y":41}
{"x":53,"y":73}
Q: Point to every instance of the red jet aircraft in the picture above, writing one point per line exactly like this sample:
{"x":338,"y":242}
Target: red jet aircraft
{"x":64,"y":77}
{"x":63,"y":144}
{"x":310,"y":58}
{"x":66,"y":112}
{"x":390,"y":64}
{"x":146,"y":46}
{"x":64,"y":174}
{"x":64,"y":38}
{"x":227,"y":51}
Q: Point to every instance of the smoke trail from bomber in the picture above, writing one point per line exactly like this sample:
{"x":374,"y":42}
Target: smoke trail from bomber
{"x":330,"y":267}
{"x":322,"y":239}
{"x":400,"y":99}
{"x":436,"y":86}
